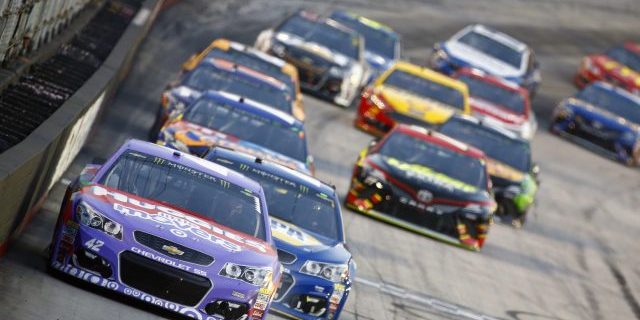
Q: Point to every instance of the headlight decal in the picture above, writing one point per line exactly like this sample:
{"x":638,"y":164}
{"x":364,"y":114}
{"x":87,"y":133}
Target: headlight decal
{"x":329,"y":271}
{"x":253,"y":275}
{"x":90,"y":217}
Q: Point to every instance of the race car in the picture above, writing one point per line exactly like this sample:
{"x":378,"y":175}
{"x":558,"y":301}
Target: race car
{"x":219,"y":118}
{"x":619,"y":65}
{"x":382,"y":44}
{"x":329,"y":57}
{"x":306,"y":223}
{"x":427,"y":183}
{"x":172,"y":230}
{"x":514,"y":176}
{"x":224,"y":75}
{"x":407,"y":93}
{"x":504,"y":101}
{"x":603,"y":117}
{"x":256,"y":60}
{"x":480,"y":47}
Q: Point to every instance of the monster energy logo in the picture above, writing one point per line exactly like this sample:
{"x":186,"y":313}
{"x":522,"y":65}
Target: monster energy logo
{"x":304,"y":189}
{"x":244,"y":167}
{"x":158,"y":160}
{"x":225,"y":184}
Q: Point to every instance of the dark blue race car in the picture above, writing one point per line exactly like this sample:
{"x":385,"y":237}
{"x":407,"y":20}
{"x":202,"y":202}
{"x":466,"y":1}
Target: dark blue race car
{"x":480,"y":47}
{"x":382,"y":44}
{"x":306,"y":223}
{"x":604,"y":117}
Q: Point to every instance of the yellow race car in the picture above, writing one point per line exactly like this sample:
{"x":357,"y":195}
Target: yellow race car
{"x":253,"y":59}
{"x":407,"y":93}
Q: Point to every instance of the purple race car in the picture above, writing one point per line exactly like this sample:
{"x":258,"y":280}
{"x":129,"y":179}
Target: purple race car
{"x":172,"y":230}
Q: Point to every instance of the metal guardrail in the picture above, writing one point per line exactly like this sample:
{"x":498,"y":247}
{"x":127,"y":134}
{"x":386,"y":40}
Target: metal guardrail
{"x":69,"y":91}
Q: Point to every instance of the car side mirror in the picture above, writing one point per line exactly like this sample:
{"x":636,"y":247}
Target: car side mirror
{"x":535,"y":172}
{"x":373,"y":143}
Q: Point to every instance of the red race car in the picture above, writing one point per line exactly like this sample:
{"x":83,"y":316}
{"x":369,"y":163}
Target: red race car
{"x":620,"y":66}
{"x":504,"y":102}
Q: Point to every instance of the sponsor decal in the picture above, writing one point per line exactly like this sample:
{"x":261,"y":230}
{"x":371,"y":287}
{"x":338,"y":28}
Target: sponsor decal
{"x":237,"y":294}
{"x":291,"y":234}
{"x":425,"y":195}
{"x":430,"y":176}
{"x":181,"y":224}
{"x":318,"y":289}
{"x":169,"y":262}
{"x":504,"y":171}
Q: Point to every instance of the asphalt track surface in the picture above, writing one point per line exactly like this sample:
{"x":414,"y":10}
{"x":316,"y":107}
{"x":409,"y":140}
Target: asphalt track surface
{"x":577,"y":257}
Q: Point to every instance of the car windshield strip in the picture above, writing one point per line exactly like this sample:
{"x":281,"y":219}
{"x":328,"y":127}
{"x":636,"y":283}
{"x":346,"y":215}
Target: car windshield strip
{"x":492,"y":143}
{"x":250,"y":127}
{"x":324,"y":34}
{"x":611,"y":101}
{"x":425,"y":88}
{"x":175,"y":184}
{"x":493,"y":48}
{"x":377,"y":41}
{"x":625,"y":57}
{"x":438,"y":160}
{"x":300,"y":204}
{"x":208,"y":78}
{"x":493,"y":93}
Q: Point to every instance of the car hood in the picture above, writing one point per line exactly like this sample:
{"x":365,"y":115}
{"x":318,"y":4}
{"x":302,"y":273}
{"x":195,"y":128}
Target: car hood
{"x":303,"y":243}
{"x":497,"y":169}
{"x":197,"y":136}
{"x":303,"y":46}
{"x":616,"y":68}
{"x":415,"y":106}
{"x":607,"y":119}
{"x":176,"y":225}
{"x":480,"y":60}
{"x":496,"y":111}
{"x":418,"y":177}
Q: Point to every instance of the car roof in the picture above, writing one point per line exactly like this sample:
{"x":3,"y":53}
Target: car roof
{"x":191,"y":161}
{"x":252,"y":106}
{"x":429,"y":74}
{"x":614,"y":89}
{"x":498,"y":81}
{"x":440,"y":139}
{"x":339,"y":14}
{"x":487,"y":123}
{"x":272,"y":167}
{"x":315,"y":17}
{"x":495,"y":35}
{"x":247,"y":73}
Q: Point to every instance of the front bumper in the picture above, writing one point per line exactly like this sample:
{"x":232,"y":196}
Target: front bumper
{"x":445,"y":223}
{"x":302,"y":296}
{"x":94,"y":257}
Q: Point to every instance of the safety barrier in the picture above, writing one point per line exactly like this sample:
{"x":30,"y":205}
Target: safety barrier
{"x":30,"y":168}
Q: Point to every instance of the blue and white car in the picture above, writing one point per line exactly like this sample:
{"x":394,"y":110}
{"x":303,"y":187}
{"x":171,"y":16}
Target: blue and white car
{"x":480,"y":47}
{"x":306,"y":223}
{"x":382,"y":44}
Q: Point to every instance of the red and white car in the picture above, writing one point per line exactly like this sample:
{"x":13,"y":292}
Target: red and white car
{"x":502,"y":102}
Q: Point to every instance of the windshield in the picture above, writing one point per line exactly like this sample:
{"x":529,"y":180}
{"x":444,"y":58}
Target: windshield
{"x":425,"y":88}
{"x":612,"y":102}
{"x":186,"y":188}
{"x":375,"y":40}
{"x":323,"y":34}
{"x":450,"y":163}
{"x":286,"y":140}
{"x":256,"y":63}
{"x":208,"y":78}
{"x":503,"y":97}
{"x":492,"y":48}
{"x":512,"y":152}
{"x":300,"y":204}
{"x":625,"y":57}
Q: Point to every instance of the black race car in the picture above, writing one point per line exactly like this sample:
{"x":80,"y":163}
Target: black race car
{"x":425,"y":182}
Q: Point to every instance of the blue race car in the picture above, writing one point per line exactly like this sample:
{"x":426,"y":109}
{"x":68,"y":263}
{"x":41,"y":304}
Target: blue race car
{"x":172,"y":230}
{"x":306,"y":223}
{"x":219,"y":118}
{"x":480,"y":47}
{"x":604,"y":117}
{"x":382,"y":44}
